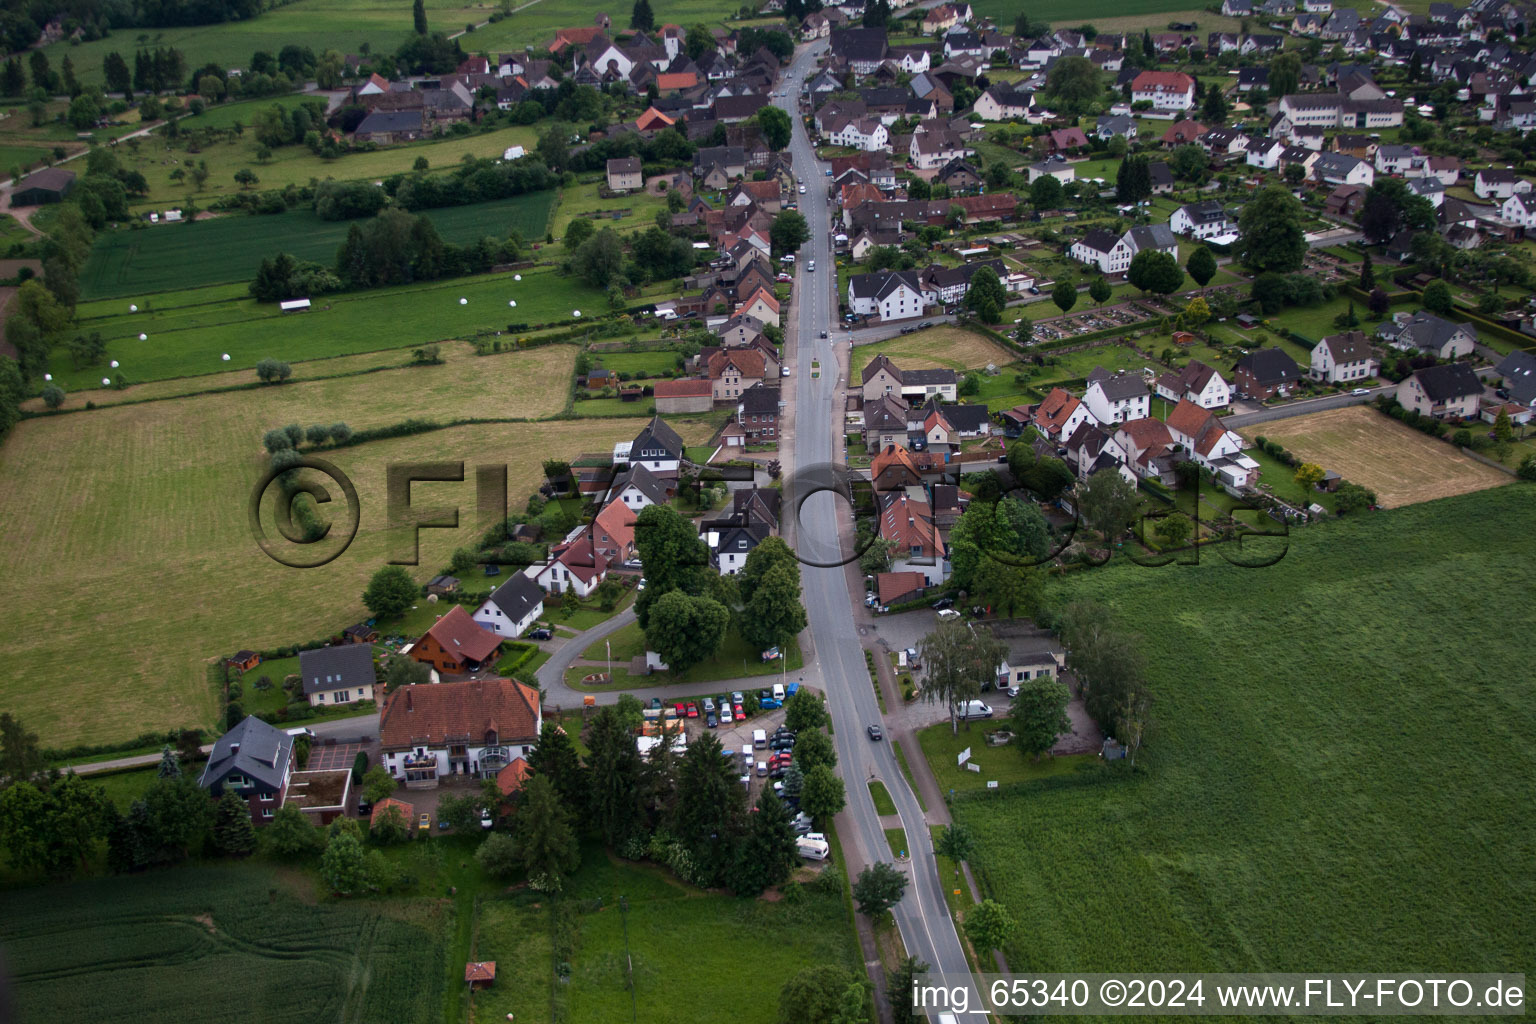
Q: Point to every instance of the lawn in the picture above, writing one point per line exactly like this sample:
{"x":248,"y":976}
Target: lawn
{"x":1003,"y":765}
{"x":951,"y":348}
{"x":123,"y":788}
{"x":634,"y":212}
{"x":652,"y":364}
{"x":165,"y":946}
{"x":1399,"y":463}
{"x":1337,"y":737}
{"x":735,"y":659}
{"x":882,"y":797}
{"x":133,"y":263}
{"x":157,"y":156}
{"x":143,"y":509}
{"x":896,"y":841}
{"x":623,"y":916}
{"x":190,"y":340}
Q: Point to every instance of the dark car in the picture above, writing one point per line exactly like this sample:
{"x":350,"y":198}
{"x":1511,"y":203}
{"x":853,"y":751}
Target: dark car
{"x":942,"y":603}
{"x":540,"y":634}
{"x":926,"y":323}
{"x":823,"y":334}
{"x":711,"y":721}
{"x":875,"y":732}
{"x":1502,"y":393}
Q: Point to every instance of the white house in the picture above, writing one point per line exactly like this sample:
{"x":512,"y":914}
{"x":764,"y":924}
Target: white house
{"x":1520,"y":209}
{"x":1205,"y":219}
{"x":1498,"y":183}
{"x":1447,"y":391}
{"x":1165,"y":90}
{"x":337,"y":675}
{"x":1264,"y":153}
{"x":930,"y":150}
{"x":890,"y":295}
{"x":1002,"y":102}
{"x":472,"y":729}
{"x":575,"y":565}
{"x":868,"y":134}
{"x":1343,"y":358}
{"x":1400,"y":160}
{"x":512,"y":608}
{"x":1343,"y":169}
{"x":1197,"y":383}
{"x":1056,"y":167}
{"x":639,"y":489}
{"x":1211,"y":445}
{"x":1116,"y":397}
{"x":1102,"y":249}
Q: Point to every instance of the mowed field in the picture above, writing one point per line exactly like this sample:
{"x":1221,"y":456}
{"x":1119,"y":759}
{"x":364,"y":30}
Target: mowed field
{"x":136,"y":262}
{"x":1400,"y":464}
{"x":1074,"y":12}
{"x":188,"y":333}
{"x":1338,"y":777}
{"x":129,"y":526}
{"x":168,"y":946}
{"x":950,"y":348}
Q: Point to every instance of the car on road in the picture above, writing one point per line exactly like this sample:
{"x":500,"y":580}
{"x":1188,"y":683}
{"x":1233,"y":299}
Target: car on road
{"x":823,"y":334}
{"x":908,"y":330}
{"x":802,"y":190}
{"x":424,"y":823}
{"x":875,"y":732}
{"x":693,"y":710}
{"x":926,"y":323}
{"x":810,"y":268}
{"x":828,"y":172}
{"x":710,"y":721}
{"x":1360,"y":391}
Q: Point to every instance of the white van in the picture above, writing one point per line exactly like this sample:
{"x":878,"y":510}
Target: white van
{"x":975,"y":709}
{"x":301,"y":731}
{"x":901,"y":659}
{"x":812,"y":849}
{"x":746,"y":753}
{"x":759,"y":740}
{"x":778,"y":692}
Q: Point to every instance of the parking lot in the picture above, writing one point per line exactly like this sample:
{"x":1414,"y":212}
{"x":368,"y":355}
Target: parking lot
{"x":737,"y":735}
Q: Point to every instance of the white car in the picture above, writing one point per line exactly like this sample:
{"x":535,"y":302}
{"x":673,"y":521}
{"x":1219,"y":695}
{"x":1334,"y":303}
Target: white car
{"x":1361,"y":391}
{"x":783,"y":371}
{"x":802,"y":190}
{"x":485,"y":819}
{"x":810,"y":268}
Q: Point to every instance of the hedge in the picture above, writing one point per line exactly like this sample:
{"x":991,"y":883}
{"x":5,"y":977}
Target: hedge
{"x":528,"y":652}
{"x":148,"y":739}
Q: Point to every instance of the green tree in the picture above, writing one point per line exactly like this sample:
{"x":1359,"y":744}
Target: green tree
{"x":576,"y":233}
{"x":1134,"y":181}
{"x":1045,"y":193}
{"x":1024,"y":333}
{"x":245,"y":177}
{"x":390,"y":828}
{"x":343,"y":866}
{"x":1007,"y":531}
{"x":822,"y":795}
{"x":1099,"y":290}
{"x":24,"y":825}
{"x":1503,"y":434}
{"x":600,"y":260}
{"x":805,"y":711}
{"x":1284,"y":74}
{"x":115,"y":70}
{"x":1201,"y":266}
{"x":685,"y":630}
{"x":1108,"y":502}
{"x":1064,"y":295}
{"x":460,"y":812}
{"x":233,"y":833}
{"x":709,"y":809}
{"x":816,"y":995}
{"x":419,"y":17}
{"x":898,"y":990}
{"x":1196,"y":314}
{"x":1039,"y":714}
{"x":545,"y":842}
{"x":988,"y":925}
{"x":699,"y":41}
{"x":788,"y":232}
{"x":640,"y":16}
{"x":1072,"y":83}
{"x":498,"y":857}
{"x":390,"y":592}
{"x":404,"y":670}
{"x":1273,"y":238}
{"x":1189,"y":162}
{"x":614,"y":769}
{"x":83,"y":112}
{"x":774,"y":613}
{"x":766,"y":856}
{"x":1367,"y":273}
{"x":955,"y":842}
{"x":878,"y":888}
{"x":958,"y":663}
{"x":21,"y":759}
{"x":985,"y":296}
{"x":813,"y":748}
{"x":1154,"y":271}
{"x":775,"y":125}
{"x":180,"y":814}
{"x":555,"y":758}
{"x":1173,"y":530}
{"x":1438,"y":299}
{"x":1214,"y":109}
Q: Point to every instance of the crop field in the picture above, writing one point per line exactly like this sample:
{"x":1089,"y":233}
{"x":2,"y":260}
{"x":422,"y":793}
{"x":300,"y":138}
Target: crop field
{"x":130,"y":523}
{"x":1400,"y":464}
{"x":191,"y":340}
{"x":1337,"y":775}
{"x":746,"y":949}
{"x":137,"y":262}
{"x":157,"y":157}
{"x":226,"y":944}
{"x":937,"y":347}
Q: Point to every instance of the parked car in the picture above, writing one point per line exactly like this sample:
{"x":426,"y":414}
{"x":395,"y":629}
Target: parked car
{"x":726,"y":718}
{"x":875,"y":732}
{"x":823,"y":334}
{"x":737,"y":697}
{"x":1501,"y":392}
{"x":1360,"y":391}
{"x":783,"y":371}
{"x":710,"y":721}
{"x":741,"y":716}
{"x":680,"y":709}
{"x":1034,"y":290}
{"x":948,"y":614}
{"x":424,"y":823}
{"x":942,"y":603}
{"x":655,"y":703}
{"x":693,"y":710}
{"x":779,"y":743}
{"x":486,"y":821}
{"x":709,"y":704}
{"x":540,"y":634}
{"x":926,"y":323}
{"x":802,"y":190}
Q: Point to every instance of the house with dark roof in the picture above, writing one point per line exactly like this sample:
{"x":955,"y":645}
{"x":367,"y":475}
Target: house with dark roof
{"x":862,"y":49}
{"x":254,"y":761}
{"x":1090,"y":450}
{"x":1518,"y":369}
{"x":1343,"y":358}
{"x":639,"y":488}
{"x":472,"y":729}
{"x":729,"y":547}
{"x":49,"y":185}
{"x":1446,"y":392}
{"x":1110,"y":252}
{"x":1264,"y":373}
{"x":883,"y":377}
{"x":512,"y":608}
{"x":888,"y":294}
{"x":624,"y":174}
{"x":1116,"y":397}
{"x":385,"y":127}
{"x":1199,"y":383}
{"x":337,"y":675}
{"x":456,"y":644}
{"x":1031,"y":652}
{"x":1430,"y":334}
{"x":657,"y":446}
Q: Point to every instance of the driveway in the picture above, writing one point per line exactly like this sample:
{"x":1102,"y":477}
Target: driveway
{"x":327,"y":756}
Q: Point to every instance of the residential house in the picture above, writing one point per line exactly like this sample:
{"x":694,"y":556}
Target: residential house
{"x":1212,"y":445}
{"x":1197,"y":383}
{"x":729,"y":548}
{"x":1425,"y":332}
{"x":1031,"y":652}
{"x":1264,"y":373}
{"x":658,"y":447}
{"x":337,"y":675}
{"x":456,"y":643}
{"x":1345,"y":201}
{"x":1498,"y":183}
{"x":1055,"y":166}
{"x":1116,"y":397}
{"x":1003,"y":102}
{"x":1090,"y":449}
{"x":1202,"y":220}
{"x":1110,"y":126}
{"x":385,"y":127}
{"x":907,"y":520}
{"x":1066,"y":140}
{"x":1264,"y":153}
{"x":862,"y":49}
{"x":761,"y":306}
{"x":757,"y":414}
{"x":1518,"y":370}
{"x":625,"y":174}
{"x":1060,"y":414}
{"x":575,"y":565}
{"x":1343,"y":169}
{"x":1157,"y":237}
{"x":1447,"y":391}
{"x":930,"y":150}
{"x":638,"y":489}
{"x":1519,"y":208}
{"x":1165,"y":90}
{"x":1103,"y":249}
{"x":1398,"y":160}
{"x":1343,"y":358}
{"x":472,"y":729}
{"x":959,"y":176}
{"x":613,"y":537}
{"x":885,"y":422}
{"x":254,"y":761}
{"x":1149,"y":449}
{"x":888,"y":294}
{"x":883,"y":377}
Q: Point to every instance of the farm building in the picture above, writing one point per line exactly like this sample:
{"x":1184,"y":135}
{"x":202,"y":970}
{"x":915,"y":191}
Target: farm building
{"x":49,"y":185}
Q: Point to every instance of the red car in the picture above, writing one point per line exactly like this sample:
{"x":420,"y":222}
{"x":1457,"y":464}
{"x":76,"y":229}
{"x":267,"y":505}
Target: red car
{"x":779,"y":760}
{"x":736,"y":710}
{"x":679,"y":710}
{"x":693,"y":710}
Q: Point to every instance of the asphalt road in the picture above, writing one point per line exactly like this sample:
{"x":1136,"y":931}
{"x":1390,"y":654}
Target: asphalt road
{"x":922,"y":915}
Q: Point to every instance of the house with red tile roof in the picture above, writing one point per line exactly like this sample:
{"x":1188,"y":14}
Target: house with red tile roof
{"x":1211,"y":444}
{"x":760,"y":306}
{"x":575,"y":565}
{"x":455,"y":643}
{"x":510,"y":779}
{"x":474,"y":729}
{"x":907,"y":520}
{"x":733,"y":370}
{"x":380,"y":809}
{"x":1058,"y":417}
{"x":653,"y":120}
{"x":900,"y":587}
{"x":613,"y":532}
